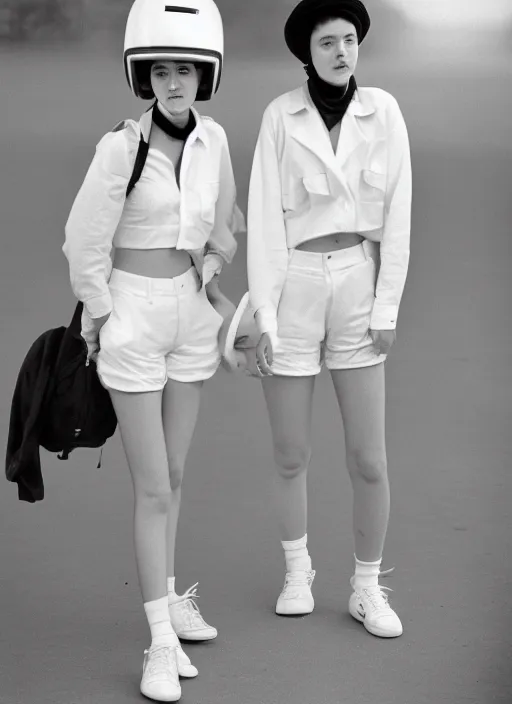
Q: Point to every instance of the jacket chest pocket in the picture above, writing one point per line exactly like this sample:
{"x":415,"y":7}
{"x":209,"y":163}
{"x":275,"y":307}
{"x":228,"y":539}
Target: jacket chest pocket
{"x":372,"y":198}
{"x":306,"y":191}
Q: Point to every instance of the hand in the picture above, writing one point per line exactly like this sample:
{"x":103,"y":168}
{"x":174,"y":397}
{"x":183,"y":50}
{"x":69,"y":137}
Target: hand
{"x":91,"y":336}
{"x":212,"y":267}
{"x":250,"y":363}
{"x":264,"y":355}
{"x":383,"y":340}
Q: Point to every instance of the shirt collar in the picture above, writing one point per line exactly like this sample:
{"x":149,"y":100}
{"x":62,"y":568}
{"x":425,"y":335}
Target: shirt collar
{"x":200,"y":131}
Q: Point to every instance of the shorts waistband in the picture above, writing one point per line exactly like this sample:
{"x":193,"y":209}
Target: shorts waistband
{"x":147,"y":286}
{"x":337,"y":259}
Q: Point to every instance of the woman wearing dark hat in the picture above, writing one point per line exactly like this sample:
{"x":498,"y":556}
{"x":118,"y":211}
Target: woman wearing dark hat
{"x":328,"y":252}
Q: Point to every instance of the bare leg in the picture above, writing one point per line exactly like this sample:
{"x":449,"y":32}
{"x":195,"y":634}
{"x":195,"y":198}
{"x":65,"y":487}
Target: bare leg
{"x":140,"y":423}
{"x":361,"y":398}
{"x":181,"y":403}
{"x":181,"y":407}
{"x":289,"y":402}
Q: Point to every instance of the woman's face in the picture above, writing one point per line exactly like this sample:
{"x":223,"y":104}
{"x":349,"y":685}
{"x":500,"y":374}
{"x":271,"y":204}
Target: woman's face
{"x":175,"y":84}
{"x":334,"y":51}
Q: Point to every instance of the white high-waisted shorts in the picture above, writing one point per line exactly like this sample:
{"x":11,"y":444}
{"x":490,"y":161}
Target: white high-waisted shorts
{"x":159,"y":329}
{"x":324,"y":312}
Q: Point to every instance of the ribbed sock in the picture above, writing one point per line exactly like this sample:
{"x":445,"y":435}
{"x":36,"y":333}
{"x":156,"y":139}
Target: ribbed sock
{"x":367,"y":573}
{"x":159,"y":621}
{"x":296,"y":554}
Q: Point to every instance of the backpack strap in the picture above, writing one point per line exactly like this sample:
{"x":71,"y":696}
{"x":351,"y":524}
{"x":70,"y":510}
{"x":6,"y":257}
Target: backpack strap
{"x":140,"y":160}
{"x":75,"y":326}
{"x":120,"y":126}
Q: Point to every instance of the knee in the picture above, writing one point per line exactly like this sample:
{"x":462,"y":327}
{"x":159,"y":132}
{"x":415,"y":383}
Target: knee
{"x":292,"y":460}
{"x":176,"y":470}
{"x":371,"y":467}
{"x":154,"y":497}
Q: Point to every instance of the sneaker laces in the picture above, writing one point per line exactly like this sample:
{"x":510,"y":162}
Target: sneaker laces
{"x":376,"y":595}
{"x":378,"y":598}
{"x":189,"y":609}
{"x":158,"y":660}
{"x":300,"y":578}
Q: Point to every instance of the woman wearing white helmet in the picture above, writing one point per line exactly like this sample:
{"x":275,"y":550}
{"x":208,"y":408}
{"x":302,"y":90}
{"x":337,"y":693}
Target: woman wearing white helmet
{"x":328,"y":252}
{"x":151,"y":311}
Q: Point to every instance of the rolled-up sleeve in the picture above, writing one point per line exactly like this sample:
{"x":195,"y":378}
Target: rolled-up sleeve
{"x":229,"y":220}
{"x":93,"y":220}
{"x":395,"y":245}
{"x":267,"y":252}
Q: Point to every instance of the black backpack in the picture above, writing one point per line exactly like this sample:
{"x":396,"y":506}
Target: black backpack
{"x":77,"y":410}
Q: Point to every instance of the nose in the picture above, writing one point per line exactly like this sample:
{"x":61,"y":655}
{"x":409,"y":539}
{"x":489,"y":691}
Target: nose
{"x":342,"y":49}
{"x":173,"y":81}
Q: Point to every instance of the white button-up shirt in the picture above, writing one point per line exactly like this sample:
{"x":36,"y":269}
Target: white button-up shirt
{"x":301,"y":189}
{"x":201,"y":218}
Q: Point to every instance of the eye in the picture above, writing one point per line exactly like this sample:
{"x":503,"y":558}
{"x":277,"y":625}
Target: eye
{"x":184,"y":70}
{"x":327,"y":44}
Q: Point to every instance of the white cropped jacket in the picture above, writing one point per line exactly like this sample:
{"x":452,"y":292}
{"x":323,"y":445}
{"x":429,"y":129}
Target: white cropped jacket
{"x":300,"y":189}
{"x":208,"y":214}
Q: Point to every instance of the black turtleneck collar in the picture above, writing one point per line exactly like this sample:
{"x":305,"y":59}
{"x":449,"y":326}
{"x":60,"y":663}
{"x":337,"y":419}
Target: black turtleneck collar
{"x":181,"y":133}
{"x":331,"y":101}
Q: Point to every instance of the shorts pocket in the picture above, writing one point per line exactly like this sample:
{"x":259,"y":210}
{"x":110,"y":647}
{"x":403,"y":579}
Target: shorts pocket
{"x":212,"y":310}
{"x":301,"y":310}
{"x":119,"y":328}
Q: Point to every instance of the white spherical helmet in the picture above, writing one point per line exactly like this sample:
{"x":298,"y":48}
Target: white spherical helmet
{"x":173,"y":30}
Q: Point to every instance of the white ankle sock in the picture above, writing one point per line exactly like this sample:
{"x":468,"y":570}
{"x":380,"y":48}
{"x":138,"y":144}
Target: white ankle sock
{"x":157,"y":613}
{"x":367,"y":573}
{"x":296,"y":554}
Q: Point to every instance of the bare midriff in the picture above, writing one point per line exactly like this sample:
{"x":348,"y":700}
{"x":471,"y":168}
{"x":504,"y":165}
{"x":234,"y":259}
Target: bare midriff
{"x":332,"y":242}
{"x":155,"y":263}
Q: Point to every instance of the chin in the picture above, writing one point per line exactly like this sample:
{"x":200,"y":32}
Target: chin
{"x":176,"y":107}
{"x":340,"y":80}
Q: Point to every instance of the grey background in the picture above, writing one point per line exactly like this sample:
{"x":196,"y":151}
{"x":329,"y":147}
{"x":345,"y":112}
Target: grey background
{"x":73,"y":628}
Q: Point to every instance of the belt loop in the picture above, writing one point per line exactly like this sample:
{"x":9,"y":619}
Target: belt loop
{"x":150,"y":291}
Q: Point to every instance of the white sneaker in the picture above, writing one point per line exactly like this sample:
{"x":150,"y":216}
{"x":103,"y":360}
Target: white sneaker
{"x":370,"y":606}
{"x":296,"y":598}
{"x":160,"y":680}
{"x":185,"y":667}
{"x":186,"y":619}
